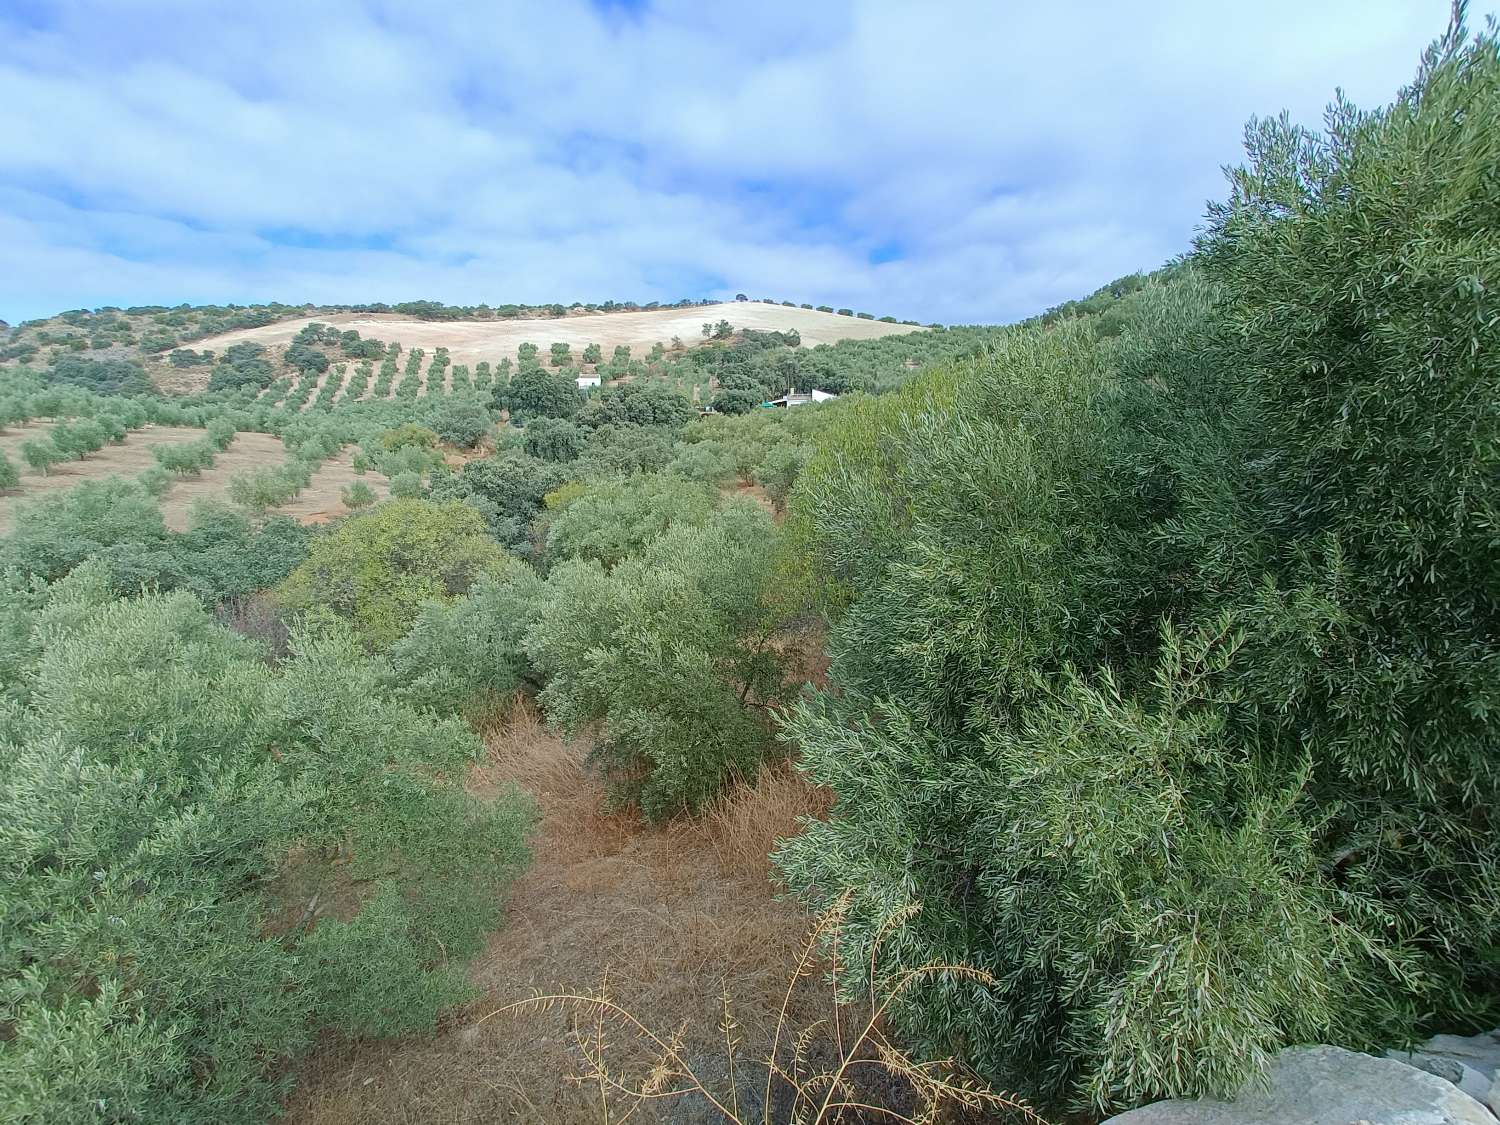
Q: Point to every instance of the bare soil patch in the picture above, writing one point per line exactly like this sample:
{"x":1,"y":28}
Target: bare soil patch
{"x":248,"y":451}
{"x":321,"y":501}
{"x":126,"y":459}
{"x":674,"y":918}
{"x":470,"y":341}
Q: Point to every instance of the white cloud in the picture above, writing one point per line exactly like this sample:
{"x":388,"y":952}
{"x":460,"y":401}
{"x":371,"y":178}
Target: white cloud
{"x":166,"y":150}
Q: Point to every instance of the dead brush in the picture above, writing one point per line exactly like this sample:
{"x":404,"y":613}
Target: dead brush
{"x":745,"y":823}
{"x":795,"y":1082}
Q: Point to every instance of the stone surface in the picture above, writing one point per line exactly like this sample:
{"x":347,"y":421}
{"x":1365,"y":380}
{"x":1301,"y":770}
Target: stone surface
{"x":1472,"y":1063}
{"x":1327,"y":1086}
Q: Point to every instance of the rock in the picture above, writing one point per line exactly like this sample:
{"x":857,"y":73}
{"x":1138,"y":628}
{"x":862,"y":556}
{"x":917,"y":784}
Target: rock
{"x":1327,"y":1086}
{"x":1472,"y":1063}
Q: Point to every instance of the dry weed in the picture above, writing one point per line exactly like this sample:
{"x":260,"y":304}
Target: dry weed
{"x":743,"y":826}
{"x":793,"y":1082}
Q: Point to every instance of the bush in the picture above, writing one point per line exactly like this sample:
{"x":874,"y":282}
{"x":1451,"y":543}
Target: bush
{"x":552,"y":439}
{"x":10,"y":476}
{"x":1181,"y":640}
{"x":357,"y":495}
{"x":469,"y":651}
{"x":163,"y":972}
{"x":102,"y":376}
{"x":40,"y":454}
{"x":376,"y":569}
{"x":406,"y":485}
{"x":408,"y":434}
{"x":186,"y":458}
{"x":612,"y":519}
{"x":462,"y":421}
{"x":260,"y":489}
{"x":668,"y":653}
{"x":535,"y":393}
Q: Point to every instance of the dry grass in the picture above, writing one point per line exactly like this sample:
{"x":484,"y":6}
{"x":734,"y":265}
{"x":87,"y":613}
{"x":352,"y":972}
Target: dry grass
{"x":319,"y":502}
{"x":840,"y":1069}
{"x":469,"y":341}
{"x":743,"y":826}
{"x":673,"y":918}
{"x":127,"y":459}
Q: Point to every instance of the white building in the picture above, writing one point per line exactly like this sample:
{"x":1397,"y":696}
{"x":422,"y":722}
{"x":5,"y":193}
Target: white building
{"x":793,"y":398}
{"x":587,"y":381}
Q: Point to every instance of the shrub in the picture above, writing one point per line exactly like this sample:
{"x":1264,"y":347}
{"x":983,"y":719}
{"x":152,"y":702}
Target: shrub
{"x":536,"y":393}
{"x":40,"y":454}
{"x":612,"y":519}
{"x":469,"y":650}
{"x":10,"y":476}
{"x":669,"y":654}
{"x":462,"y":421}
{"x":53,"y":534}
{"x":406,"y":485}
{"x":408,"y":434}
{"x":186,"y":458}
{"x":164,"y":971}
{"x":357,"y":495}
{"x":260,"y":489}
{"x":102,"y":376}
{"x":552,"y":439}
{"x":1181,"y":640}
{"x":376,"y":569}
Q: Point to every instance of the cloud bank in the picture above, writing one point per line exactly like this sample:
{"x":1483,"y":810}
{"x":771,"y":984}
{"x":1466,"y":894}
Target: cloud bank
{"x":963,"y":161}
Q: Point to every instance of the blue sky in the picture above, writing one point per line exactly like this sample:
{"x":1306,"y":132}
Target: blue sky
{"x":963,"y":162}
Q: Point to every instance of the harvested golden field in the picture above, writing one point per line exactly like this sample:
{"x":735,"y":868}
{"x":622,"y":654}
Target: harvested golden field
{"x":469,"y":341}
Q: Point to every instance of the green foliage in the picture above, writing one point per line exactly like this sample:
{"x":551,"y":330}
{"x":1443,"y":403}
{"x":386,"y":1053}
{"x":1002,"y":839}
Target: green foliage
{"x":408,"y":434}
{"x":507,"y":489}
{"x":670,"y":653}
{"x":614,"y":518}
{"x":469,"y":650}
{"x":357,"y":495}
{"x":154,"y":964}
{"x":185,"y":458}
{"x":462,"y":421}
{"x":406,"y":485}
{"x":10,"y":476}
{"x":1173,"y":637}
{"x":40,"y":454}
{"x":536,"y":393}
{"x":377,"y":569}
{"x":259,"y":489}
{"x":650,"y":403}
{"x":552,"y":439}
{"x":102,"y":376}
{"x":241,"y":365}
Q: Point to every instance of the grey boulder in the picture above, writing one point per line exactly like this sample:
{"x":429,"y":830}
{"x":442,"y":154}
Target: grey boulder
{"x":1327,"y":1086}
{"x":1472,"y":1063}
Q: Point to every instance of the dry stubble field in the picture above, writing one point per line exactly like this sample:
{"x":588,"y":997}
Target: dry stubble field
{"x":470,"y":341}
